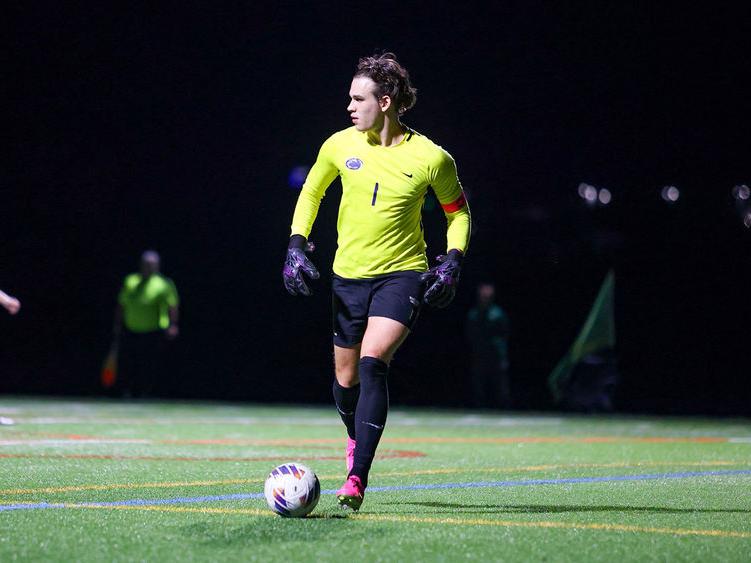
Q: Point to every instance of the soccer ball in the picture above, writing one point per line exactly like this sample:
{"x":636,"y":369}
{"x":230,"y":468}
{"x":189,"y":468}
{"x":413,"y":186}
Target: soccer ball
{"x":292,"y":490}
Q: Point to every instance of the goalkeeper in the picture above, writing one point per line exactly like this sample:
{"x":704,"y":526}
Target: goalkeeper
{"x":381,"y":276}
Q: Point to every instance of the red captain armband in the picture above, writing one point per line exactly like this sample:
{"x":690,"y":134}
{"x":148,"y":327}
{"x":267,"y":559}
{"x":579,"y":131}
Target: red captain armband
{"x":455,"y":205}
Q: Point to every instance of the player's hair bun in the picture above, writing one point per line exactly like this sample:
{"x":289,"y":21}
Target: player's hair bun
{"x":391,"y":79}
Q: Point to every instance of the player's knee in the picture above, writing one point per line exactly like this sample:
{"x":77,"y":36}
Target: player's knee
{"x":346,"y":364}
{"x":347,"y":380}
{"x":382,"y":353}
{"x":376,"y":346}
{"x":376,"y":349}
{"x":346,"y":375}
{"x":371,"y":365}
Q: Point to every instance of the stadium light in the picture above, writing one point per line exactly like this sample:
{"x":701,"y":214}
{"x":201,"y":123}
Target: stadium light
{"x":604,"y":196}
{"x":588,"y":193}
{"x":670,"y":194}
{"x":741,"y":192}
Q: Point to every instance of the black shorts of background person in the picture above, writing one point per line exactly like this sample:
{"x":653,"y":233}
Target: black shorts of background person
{"x":141,"y":363}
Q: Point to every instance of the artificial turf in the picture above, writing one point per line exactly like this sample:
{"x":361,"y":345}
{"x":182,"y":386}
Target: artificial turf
{"x":167,"y":481}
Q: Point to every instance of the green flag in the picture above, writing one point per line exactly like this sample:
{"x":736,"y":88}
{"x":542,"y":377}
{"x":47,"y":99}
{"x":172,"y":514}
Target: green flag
{"x":597,"y":334}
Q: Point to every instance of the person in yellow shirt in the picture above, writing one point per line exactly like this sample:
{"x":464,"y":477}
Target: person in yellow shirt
{"x":380,"y":272}
{"x":148,"y":310}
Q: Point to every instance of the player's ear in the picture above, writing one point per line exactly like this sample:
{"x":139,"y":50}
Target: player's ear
{"x":385,"y":103}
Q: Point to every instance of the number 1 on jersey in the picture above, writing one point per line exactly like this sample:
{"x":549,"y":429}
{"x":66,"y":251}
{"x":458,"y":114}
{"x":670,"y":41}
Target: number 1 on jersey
{"x":375,"y":193}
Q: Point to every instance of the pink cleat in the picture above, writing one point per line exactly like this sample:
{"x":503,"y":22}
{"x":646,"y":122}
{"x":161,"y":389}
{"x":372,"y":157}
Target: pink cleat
{"x":350,"y":454}
{"x":351,"y":494}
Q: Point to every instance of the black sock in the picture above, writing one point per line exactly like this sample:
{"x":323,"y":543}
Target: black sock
{"x":370,"y":413}
{"x":346,"y":403}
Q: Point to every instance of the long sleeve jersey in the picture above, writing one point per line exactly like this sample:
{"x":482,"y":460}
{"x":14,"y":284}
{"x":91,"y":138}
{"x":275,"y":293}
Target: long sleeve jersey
{"x":383,"y":189}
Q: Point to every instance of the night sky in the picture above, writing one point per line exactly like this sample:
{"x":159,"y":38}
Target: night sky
{"x":175,"y":128}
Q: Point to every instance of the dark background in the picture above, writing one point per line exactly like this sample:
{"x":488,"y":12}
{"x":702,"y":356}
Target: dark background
{"x":175,"y":127}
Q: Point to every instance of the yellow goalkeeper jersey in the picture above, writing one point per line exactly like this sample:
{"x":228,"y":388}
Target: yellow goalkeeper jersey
{"x":383,"y":190}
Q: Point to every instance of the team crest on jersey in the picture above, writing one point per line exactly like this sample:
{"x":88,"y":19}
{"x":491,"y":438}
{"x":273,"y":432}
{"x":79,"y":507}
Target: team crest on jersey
{"x":353,"y":163}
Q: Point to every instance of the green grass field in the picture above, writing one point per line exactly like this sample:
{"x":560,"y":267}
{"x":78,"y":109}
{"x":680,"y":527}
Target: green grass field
{"x":160,"y":481}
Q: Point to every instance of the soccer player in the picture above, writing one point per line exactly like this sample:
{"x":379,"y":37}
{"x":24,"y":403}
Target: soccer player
{"x":381,"y":275}
{"x":11,"y":304}
{"x":148,"y":307}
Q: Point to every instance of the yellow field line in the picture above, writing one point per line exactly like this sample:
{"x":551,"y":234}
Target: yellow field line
{"x":193,"y":509}
{"x":114,"y":486}
{"x":443,"y":471}
{"x":446,"y":521}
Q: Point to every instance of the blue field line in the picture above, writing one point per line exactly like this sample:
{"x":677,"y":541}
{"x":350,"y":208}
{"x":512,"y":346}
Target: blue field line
{"x":430,"y":486}
{"x":136,"y":502}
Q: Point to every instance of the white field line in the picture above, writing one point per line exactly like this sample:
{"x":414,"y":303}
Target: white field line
{"x":69,"y":442}
{"x":468,"y":421}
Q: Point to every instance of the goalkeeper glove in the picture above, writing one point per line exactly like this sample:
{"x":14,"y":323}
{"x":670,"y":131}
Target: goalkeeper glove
{"x":296,"y":264}
{"x":441,"y":279}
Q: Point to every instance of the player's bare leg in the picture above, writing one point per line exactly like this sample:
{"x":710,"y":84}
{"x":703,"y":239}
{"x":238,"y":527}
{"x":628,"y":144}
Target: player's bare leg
{"x":12,"y":305}
{"x":346,"y":361}
{"x":383,"y":336}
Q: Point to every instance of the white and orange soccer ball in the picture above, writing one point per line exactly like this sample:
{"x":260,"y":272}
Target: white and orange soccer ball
{"x":292,"y":490}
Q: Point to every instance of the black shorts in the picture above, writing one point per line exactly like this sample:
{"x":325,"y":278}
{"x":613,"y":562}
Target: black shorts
{"x":395,"y":296}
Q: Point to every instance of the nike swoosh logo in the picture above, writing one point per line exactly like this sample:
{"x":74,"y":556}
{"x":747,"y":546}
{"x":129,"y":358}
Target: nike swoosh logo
{"x":373,"y":425}
{"x":407,"y":175}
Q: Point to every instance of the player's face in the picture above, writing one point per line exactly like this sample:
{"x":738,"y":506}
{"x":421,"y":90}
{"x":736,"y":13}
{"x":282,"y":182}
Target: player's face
{"x":485,"y":294}
{"x":149,"y":267}
{"x":365,"y":109}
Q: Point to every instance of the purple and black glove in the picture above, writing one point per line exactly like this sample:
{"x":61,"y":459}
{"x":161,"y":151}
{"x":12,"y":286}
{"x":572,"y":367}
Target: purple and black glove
{"x":441,"y":280}
{"x":296,"y":264}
